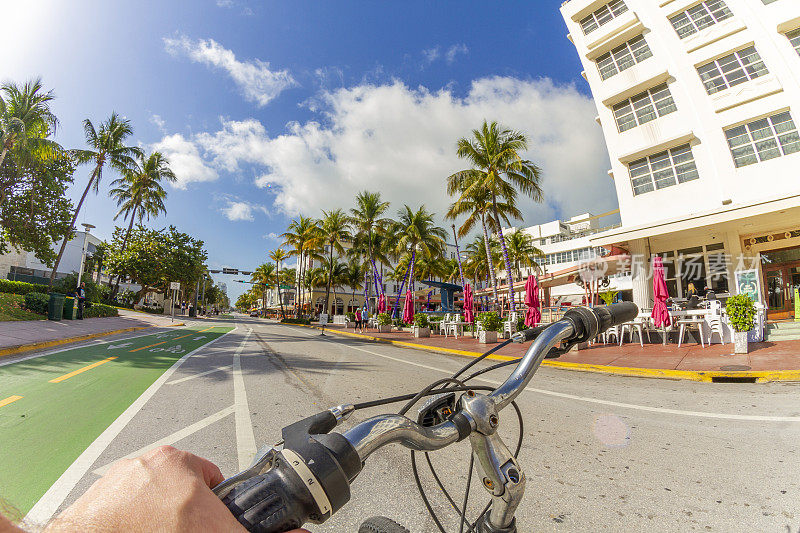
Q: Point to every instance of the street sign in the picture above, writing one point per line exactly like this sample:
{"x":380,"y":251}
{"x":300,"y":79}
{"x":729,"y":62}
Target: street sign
{"x":245,"y":273}
{"x":215,"y":271}
{"x":230,"y":270}
{"x":175,"y":286}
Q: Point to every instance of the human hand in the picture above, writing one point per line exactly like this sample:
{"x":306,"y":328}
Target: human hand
{"x":163,"y":490}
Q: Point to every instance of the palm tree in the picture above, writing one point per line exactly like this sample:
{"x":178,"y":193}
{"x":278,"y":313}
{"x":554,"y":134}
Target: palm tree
{"x":353,"y":276}
{"x":279,"y":255}
{"x":522,"y":251}
{"x":334,"y":231}
{"x":416,"y":232}
{"x":106,"y":146}
{"x":475,"y":202}
{"x":264,"y":276}
{"x":366,"y":221}
{"x":26,"y":120}
{"x":303,"y":236}
{"x":139,"y":193}
{"x":494,"y":152}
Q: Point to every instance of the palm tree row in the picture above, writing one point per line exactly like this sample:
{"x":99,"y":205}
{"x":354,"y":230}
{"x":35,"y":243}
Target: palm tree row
{"x":27,"y":122}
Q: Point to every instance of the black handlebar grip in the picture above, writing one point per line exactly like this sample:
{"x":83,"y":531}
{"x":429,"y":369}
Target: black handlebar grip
{"x":615,"y":314}
{"x":273,"y":502}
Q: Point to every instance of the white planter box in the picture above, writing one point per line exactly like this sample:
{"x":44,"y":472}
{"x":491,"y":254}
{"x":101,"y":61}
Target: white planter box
{"x":422,"y":332}
{"x":385,"y":329}
{"x":740,"y":342}
{"x":487,"y":337}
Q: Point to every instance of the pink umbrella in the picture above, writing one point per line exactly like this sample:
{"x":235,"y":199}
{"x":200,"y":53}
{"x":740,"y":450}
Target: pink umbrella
{"x":469,"y":305}
{"x":532,"y":315}
{"x":408,"y":308}
{"x":660,"y":312}
{"x":382,"y":304}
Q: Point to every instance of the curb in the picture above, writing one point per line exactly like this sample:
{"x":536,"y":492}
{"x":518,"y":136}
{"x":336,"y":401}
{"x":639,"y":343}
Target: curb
{"x":49,"y":344}
{"x":707,"y":376}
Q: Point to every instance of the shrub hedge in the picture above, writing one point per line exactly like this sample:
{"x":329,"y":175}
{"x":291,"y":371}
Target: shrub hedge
{"x":305,"y":321}
{"x":36,"y":302}
{"x":20,"y":287}
{"x":100,"y":310}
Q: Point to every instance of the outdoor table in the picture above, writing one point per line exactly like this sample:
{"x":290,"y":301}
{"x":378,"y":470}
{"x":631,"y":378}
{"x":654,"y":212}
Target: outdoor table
{"x":684,"y":313}
{"x":459,"y":327}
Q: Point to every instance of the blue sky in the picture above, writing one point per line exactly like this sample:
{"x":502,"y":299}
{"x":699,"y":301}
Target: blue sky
{"x":268,"y":109}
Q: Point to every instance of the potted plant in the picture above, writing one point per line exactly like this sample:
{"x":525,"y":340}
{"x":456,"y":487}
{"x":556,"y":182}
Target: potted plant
{"x":741,"y":316}
{"x":384,"y":323}
{"x":350,"y":320}
{"x":490,"y":324}
{"x":421,"y":325}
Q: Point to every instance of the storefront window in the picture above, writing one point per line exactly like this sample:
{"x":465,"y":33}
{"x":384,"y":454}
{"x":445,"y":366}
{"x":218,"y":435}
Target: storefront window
{"x":702,"y":266}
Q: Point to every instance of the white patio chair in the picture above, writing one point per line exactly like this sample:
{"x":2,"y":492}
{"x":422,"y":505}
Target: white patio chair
{"x":613,"y":331}
{"x":685,"y":323}
{"x":714,"y":323}
{"x":639,"y":326}
{"x":510,"y":324}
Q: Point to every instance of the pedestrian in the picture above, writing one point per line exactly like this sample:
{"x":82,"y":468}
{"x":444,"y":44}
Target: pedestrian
{"x":80,"y":293}
{"x":183,"y":308}
{"x":358,"y":319}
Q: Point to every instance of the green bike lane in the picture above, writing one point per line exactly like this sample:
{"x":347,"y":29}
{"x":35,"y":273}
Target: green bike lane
{"x":54,"y":406}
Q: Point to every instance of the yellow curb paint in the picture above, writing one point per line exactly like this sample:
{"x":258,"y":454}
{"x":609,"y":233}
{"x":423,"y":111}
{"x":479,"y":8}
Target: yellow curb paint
{"x":10,"y":399}
{"x":761,"y":376}
{"x":81,"y":370}
{"x":48,"y":344}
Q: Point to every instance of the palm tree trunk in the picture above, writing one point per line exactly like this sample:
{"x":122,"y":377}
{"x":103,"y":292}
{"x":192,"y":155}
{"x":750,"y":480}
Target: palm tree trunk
{"x":402,"y":285}
{"x":278,"y":285}
{"x":505,"y":254}
{"x":124,"y":244}
{"x":489,"y":262}
{"x":299,"y":285}
{"x":328,"y":284}
{"x":72,"y":225}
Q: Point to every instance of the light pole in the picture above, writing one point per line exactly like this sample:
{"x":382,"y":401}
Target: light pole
{"x":86,"y":229}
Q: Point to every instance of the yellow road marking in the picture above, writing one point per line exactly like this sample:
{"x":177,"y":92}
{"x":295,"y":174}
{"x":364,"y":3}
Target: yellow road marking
{"x":10,"y":399}
{"x":81,"y":370}
{"x":150,"y":346}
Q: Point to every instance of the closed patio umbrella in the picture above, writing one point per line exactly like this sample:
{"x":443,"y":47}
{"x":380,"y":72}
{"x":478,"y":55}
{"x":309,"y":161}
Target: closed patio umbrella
{"x":408,"y":308}
{"x":469,"y":304}
{"x":660,"y":313}
{"x":382,"y":303}
{"x":532,"y":314}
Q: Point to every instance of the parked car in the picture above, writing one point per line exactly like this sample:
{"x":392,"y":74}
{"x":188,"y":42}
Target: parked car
{"x":254,"y":312}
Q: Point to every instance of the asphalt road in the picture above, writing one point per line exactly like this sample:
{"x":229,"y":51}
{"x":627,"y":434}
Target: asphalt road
{"x":601,"y":453}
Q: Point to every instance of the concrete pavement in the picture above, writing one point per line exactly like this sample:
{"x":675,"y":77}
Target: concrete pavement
{"x":602,"y":453}
{"x":20,"y":336}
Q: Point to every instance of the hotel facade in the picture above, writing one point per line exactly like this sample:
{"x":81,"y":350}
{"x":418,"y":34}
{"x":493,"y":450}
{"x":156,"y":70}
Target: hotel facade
{"x":699,"y":102}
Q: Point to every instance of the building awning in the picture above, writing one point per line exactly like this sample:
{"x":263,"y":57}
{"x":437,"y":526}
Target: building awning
{"x":762,"y":213}
{"x":591,"y":269}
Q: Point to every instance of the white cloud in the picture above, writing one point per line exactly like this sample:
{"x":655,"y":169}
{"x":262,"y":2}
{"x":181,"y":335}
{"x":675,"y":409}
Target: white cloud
{"x":272,"y":236}
{"x":401,"y":141}
{"x":257,"y":81}
{"x":224,"y":3}
{"x":431,"y":54}
{"x":184,"y":160}
{"x":159,"y":123}
{"x":454,"y":50}
{"x":240,"y":210}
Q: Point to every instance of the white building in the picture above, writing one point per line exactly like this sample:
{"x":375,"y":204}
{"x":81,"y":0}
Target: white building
{"x":699,"y":102}
{"x":19,"y":266}
{"x":567,"y":245}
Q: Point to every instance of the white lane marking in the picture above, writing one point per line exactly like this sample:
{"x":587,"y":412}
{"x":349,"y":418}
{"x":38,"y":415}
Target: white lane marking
{"x":664,"y":410}
{"x":245,"y":439}
{"x":172,"y":438}
{"x":117,"y":346}
{"x":207,"y":372}
{"x":48,"y":504}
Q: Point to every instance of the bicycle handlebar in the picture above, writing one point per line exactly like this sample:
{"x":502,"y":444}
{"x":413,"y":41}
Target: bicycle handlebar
{"x":294,"y":491}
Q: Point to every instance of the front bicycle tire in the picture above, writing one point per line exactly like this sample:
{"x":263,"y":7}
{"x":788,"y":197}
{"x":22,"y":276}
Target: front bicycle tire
{"x":381,"y":524}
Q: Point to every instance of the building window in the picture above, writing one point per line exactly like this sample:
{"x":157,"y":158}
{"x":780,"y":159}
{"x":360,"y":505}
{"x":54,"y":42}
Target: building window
{"x":731,"y":70}
{"x":663,"y":169}
{"x":644,"y":107}
{"x":623,"y":57}
{"x":763,"y":139}
{"x":794,"y":38}
{"x":700,"y":17}
{"x":603,"y":15}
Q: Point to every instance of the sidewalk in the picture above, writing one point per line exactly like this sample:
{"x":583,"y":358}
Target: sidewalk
{"x":767,"y":361}
{"x":22,"y":336}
